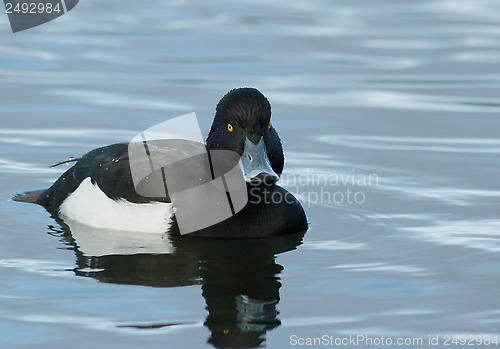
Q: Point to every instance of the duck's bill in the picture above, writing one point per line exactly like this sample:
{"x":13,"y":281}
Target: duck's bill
{"x":255,"y":164}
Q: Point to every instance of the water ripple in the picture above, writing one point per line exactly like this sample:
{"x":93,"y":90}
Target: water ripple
{"x":391,"y":100}
{"x":335,"y":245}
{"x":37,"y":266}
{"x":102,"y":98}
{"x":22,"y":53}
{"x":383,"y":267}
{"x":318,"y":320}
{"x":12,"y":166}
{"x":480,"y":234}
{"x":454,"y":196}
{"x":449,"y":145}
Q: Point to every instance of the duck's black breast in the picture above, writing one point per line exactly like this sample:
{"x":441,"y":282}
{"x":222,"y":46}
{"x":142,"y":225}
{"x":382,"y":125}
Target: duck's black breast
{"x":270,"y":211}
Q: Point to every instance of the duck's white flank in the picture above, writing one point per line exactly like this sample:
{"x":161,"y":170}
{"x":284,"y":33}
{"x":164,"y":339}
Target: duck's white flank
{"x":89,"y":205}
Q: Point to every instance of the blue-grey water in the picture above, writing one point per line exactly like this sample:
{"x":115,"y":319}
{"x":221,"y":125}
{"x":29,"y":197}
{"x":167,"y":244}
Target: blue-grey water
{"x":389,"y":112}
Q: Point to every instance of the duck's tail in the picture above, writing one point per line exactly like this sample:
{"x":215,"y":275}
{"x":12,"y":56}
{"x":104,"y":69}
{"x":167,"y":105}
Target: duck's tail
{"x":32,"y":197}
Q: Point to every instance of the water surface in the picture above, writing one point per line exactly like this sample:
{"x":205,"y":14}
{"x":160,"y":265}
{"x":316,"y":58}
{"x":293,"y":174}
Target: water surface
{"x":393,"y":101}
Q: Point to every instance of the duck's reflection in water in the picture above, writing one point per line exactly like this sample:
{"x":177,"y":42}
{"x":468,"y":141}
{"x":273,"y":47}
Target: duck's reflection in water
{"x":239,"y":278}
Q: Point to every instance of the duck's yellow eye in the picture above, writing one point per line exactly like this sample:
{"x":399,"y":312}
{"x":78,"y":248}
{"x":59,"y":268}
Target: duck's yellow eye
{"x":269,"y":126}
{"x":230,"y":127}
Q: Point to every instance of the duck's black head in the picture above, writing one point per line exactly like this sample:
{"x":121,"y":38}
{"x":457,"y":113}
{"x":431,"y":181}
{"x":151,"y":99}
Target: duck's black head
{"x":242,"y":124}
